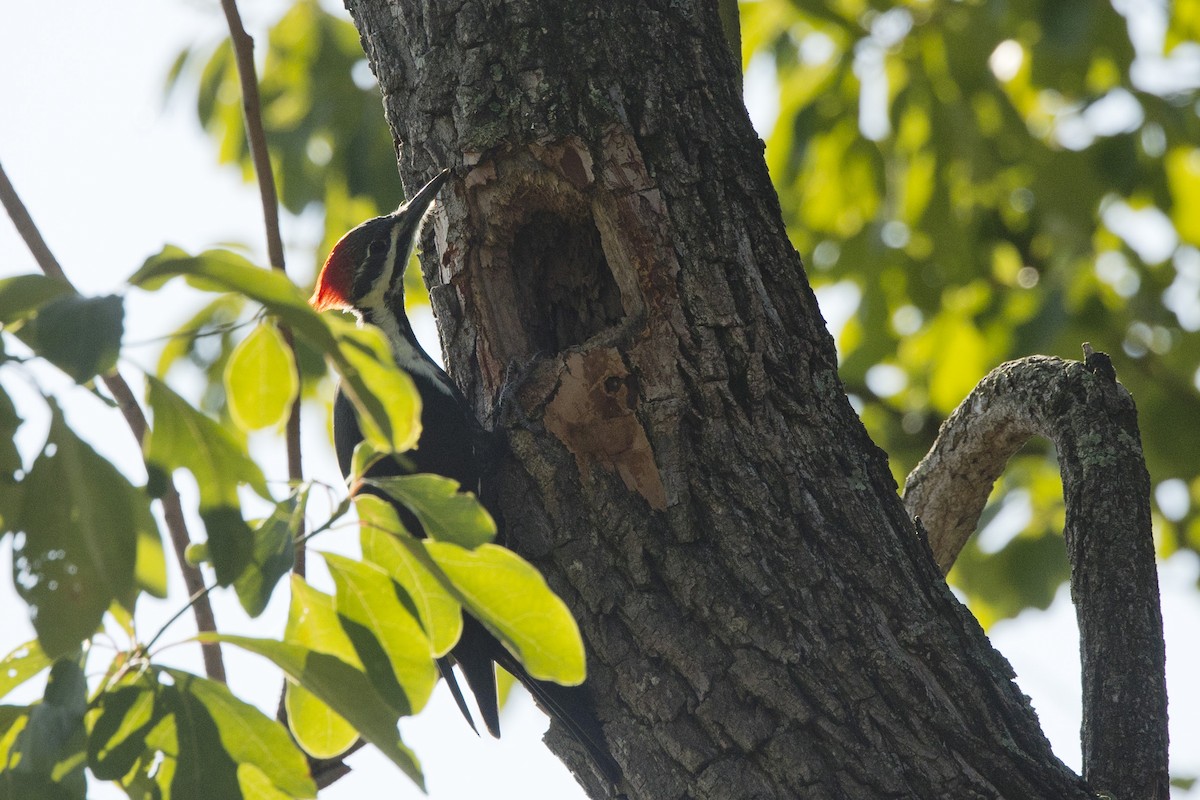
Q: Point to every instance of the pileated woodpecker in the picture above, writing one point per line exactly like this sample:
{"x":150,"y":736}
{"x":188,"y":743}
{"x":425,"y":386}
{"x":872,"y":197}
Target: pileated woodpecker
{"x":364,"y":274}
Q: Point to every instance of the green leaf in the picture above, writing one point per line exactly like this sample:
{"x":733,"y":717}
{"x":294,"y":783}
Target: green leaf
{"x":363,"y":457}
{"x":13,"y":720}
{"x":10,"y":458}
{"x":198,"y":739}
{"x":230,"y":543}
{"x":261,"y":381}
{"x":273,"y":553}
{"x":22,"y":786}
{"x":366,"y":597}
{"x":257,"y":785}
{"x":320,"y":730}
{"x":51,"y":747}
{"x":79,"y":335}
{"x":182,"y":437}
{"x":123,"y":720}
{"x":225,"y":271}
{"x":79,"y":518}
{"x":385,"y":397}
{"x":343,"y":688}
{"x":313,"y":623}
{"x":23,"y":663}
{"x":512,"y":600}
{"x":21,"y":295}
{"x":203,"y":767}
{"x":123,"y":619}
{"x":150,"y":566}
{"x":10,"y":461}
{"x":154,"y":772}
{"x":250,"y":737}
{"x":386,"y":544}
{"x":446,"y":514}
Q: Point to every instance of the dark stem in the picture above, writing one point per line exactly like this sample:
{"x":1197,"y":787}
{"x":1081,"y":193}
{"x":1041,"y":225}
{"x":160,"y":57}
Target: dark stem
{"x":243,"y":49}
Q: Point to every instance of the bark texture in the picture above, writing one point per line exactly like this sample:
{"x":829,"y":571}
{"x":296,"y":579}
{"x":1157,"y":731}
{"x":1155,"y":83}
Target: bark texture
{"x":1114,"y":583}
{"x":761,"y":618}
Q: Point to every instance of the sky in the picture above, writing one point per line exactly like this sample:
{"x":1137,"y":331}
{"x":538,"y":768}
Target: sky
{"x":111,"y":171}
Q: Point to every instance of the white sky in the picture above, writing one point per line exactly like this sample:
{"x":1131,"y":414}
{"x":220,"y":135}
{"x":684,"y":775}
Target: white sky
{"x":110,"y":174}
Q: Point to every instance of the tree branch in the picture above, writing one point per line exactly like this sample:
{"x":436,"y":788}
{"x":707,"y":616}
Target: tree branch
{"x":214,"y":666}
{"x":1092,"y":421}
{"x":243,"y":49}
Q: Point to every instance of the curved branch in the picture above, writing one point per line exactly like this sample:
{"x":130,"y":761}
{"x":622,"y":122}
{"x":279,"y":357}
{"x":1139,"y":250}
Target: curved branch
{"x":1092,"y":421}
{"x":214,"y":666}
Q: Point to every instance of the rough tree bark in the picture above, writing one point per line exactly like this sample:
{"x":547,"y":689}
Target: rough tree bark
{"x":762,"y":619}
{"x":1093,"y":423}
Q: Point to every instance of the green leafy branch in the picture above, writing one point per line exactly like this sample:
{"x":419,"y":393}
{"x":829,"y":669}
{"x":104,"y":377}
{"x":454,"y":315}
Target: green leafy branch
{"x":356,"y":660}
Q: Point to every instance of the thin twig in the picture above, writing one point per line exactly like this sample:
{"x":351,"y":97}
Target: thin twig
{"x":195,"y":598}
{"x":214,"y":666}
{"x":243,"y":50}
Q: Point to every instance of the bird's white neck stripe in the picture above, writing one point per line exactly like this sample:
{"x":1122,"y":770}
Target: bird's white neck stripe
{"x":374,"y":300}
{"x":409,"y":356}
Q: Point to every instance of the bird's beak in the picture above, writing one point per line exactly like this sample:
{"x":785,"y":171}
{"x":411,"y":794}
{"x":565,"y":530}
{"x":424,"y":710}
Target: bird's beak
{"x":422,"y":199}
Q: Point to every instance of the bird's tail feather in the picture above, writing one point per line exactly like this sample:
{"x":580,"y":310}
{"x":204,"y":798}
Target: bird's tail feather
{"x":446,"y":667}
{"x":569,"y":706}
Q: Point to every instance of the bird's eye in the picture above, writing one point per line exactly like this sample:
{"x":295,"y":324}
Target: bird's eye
{"x":377,"y":248}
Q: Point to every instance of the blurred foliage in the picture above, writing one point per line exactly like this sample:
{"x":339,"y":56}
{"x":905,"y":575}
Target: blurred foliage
{"x":994,"y":182}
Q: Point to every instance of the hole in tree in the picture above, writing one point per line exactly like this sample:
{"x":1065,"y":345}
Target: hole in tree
{"x":566,"y":288}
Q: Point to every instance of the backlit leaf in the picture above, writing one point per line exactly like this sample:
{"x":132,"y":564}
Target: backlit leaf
{"x":24,"y":662}
{"x":261,"y":381}
{"x":367,"y":599}
{"x":226,"y":271}
{"x":122,"y":721}
{"x":313,"y":623}
{"x":343,"y":688}
{"x":382,"y":535}
{"x":384,"y":396}
{"x":182,"y":437}
{"x":150,"y":566}
{"x":203,"y":766}
{"x":446,"y":514}
{"x":250,"y":737}
{"x":512,"y":600}
{"x":389,"y":408}
{"x":230,"y":545}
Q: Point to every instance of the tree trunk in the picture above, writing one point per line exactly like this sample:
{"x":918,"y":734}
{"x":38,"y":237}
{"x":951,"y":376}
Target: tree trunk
{"x":610,"y":270}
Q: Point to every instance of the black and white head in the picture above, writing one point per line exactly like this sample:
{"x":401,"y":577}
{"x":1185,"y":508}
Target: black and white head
{"x":365,"y":270}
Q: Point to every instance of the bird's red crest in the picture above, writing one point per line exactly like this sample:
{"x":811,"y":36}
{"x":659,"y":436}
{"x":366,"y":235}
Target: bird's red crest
{"x":334,"y":283}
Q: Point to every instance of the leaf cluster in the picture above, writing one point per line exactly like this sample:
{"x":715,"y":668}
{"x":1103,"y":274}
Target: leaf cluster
{"x":86,"y":546}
